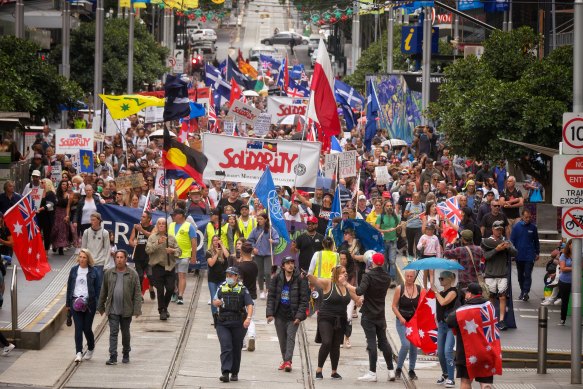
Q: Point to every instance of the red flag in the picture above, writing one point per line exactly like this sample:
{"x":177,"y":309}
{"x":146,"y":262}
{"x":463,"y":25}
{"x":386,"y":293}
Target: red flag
{"x":322,"y":107}
{"x":479,"y":329}
{"x":236,"y":92}
{"x":422,"y":328}
{"x":28,"y":242}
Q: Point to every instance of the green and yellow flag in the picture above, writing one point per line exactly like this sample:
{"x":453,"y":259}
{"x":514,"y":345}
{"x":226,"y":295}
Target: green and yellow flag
{"x":123,"y":106}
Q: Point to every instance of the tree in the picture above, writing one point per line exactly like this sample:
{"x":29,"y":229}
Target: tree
{"x":29,"y":84}
{"x":507,"y":93}
{"x":149,"y":56}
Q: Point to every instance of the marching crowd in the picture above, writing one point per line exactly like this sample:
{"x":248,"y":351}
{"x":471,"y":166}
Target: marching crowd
{"x":491,"y":230}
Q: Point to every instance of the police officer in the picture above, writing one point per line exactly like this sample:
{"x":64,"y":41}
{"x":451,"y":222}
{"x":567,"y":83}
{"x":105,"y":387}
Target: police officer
{"x":235,"y":312}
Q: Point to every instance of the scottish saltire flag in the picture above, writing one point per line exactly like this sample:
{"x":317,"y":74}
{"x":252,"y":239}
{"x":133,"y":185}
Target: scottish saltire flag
{"x":336,"y":210}
{"x":213,"y":77}
{"x":349,"y":94}
{"x":296,"y":90}
{"x":465,"y":5}
{"x":372,"y":114}
{"x":177,"y":103}
{"x":347,"y":113}
{"x":450,"y":210}
{"x":266,"y":193}
{"x":86,"y":161}
{"x":283,"y":76}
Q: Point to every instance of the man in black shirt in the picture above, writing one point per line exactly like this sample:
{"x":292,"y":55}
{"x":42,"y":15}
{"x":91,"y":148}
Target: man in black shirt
{"x":322,"y":212}
{"x":511,"y":200}
{"x":9,"y":197}
{"x":405,"y":199}
{"x":233,"y":201}
{"x":308,"y":243}
{"x":248,"y":271}
{"x":494,"y":216}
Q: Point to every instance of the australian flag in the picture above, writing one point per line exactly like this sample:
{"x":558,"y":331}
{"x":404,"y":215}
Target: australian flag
{"x":29,"y":217}
{"x":177,"y":104}
{"x":269,"y":64}
{"x":349,"y":94}
{"x":297,"y":90}
{"x":489,"y":323}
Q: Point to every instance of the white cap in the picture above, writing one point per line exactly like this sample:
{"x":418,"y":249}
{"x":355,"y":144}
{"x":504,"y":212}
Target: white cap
{"x":35,"y":173}
{"x":244,"y":195}
{"x":362,"y":197}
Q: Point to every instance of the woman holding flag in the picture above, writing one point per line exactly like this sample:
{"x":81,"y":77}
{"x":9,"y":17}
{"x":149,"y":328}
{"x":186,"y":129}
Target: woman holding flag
{"x":264,"y":239}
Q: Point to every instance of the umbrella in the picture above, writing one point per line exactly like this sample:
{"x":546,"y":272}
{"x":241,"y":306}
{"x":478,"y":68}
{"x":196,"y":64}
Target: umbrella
{"x":159,"y":134}
{"x":290,"y":119}
{"x":394,"y":143}
{"x":250,"y":93}
{"x":434,"y":263}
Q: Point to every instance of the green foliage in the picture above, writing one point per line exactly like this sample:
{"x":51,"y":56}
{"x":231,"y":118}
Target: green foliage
{"x":508,"y":93}
{"x":29,"y":84}
{"x":149,"y":56}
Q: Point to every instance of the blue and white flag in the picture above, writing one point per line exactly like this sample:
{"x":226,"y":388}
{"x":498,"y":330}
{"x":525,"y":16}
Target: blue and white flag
{"x":368,"y":236}
{"x":295,"y":90}
{"x":372,"y":114}
{"x":349,"y":94}
{"x":214,"y":78}
{"x":177,"y":104}
{"x":335,"y":146}
{"x":347,"y":113}
{"x":465,"y":5}
{"x":268,"y":63}
{"x":266,"y":193}
{"x":336,"y":210}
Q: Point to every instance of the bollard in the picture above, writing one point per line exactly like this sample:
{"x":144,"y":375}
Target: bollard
{"x":543,"y":318}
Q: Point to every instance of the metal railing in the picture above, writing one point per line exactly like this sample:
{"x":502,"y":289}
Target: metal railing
{"x":14,"y":301}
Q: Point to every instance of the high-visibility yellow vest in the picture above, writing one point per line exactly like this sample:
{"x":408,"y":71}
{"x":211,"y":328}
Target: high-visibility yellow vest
{"x":182,"y":238}
{"x":210,"y":232}
{"x":251,"y":224}
{"x":326,"y":262}
{"x":225,"y":237}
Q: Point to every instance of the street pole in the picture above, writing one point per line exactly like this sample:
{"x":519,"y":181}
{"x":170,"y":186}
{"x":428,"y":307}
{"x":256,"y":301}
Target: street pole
{"x":577,"y":243}
{"x":509,"y":26}
{"x":505,"y":21}
{"x":171,"y":32}
{"x":98,"y":76}
{"x":456,"y":32}
{"x":66,"y":42}
{"x":426,"y":64}
{"x":355,"y":35}
{"x":390,"y":39}
{"x":554,"y":24}
{"x":131,"y":50}
{"x":19,"y":14}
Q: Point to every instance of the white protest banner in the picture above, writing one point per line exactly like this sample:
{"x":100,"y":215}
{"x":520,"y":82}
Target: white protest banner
{"x":228,"y":127}
{"x":69,"y":141}
{"x":382,"y":175}
{"x":262,"y":124}
{"x":280,"y":107}
{"x":56,"y":173}
{"x":330,"y":163}
{"x":243,"y":160}
{"x":154,"y":114}
{"x":162,"y":185}
{"x":347,"y":164}
{"x":243,"y":113}
{"x":99,"y":136}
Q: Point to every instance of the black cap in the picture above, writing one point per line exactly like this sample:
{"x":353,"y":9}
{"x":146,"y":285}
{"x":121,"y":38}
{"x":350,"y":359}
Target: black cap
{"x":475,"y":288}
{"x":287,"y":259}
{"x":232,"y":270}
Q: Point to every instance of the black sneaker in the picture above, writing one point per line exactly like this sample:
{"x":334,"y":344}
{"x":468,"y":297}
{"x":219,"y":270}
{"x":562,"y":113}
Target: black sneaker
{"x":502,"y":325}
{"x":234,"y":377}
{"x":111,"y":361}
{"x":163,"y":315}
{"x":126,"y":358}
{"x":521,"y":296}
{"x":179,"y":301}
{"x":319,"y":376}
{"x":412,"y":375}
{"x":398,"y":372}
{"x":525,"y":297}
{"x":336,"y":376}
{"x":224,"y":377}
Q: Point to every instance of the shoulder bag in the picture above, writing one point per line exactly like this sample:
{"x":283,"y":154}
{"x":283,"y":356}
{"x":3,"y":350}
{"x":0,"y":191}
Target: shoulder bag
{"x":479,"y":276}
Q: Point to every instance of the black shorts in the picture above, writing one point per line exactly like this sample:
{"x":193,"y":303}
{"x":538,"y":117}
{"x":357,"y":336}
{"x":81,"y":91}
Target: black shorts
{"x":462,"y":372}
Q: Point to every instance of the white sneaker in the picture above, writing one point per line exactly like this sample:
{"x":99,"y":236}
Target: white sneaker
{"x":79,"y":357}
{"x":368,"y":377}
{"x":546,"y":302}
{"x":8,"y":349}
{"x":88,"y":355}
{"x":262,"y":295}
{"x":209,"y":302}
{"x":391,"y":376}
{"x":449,"y":383}
{"x":557,"y":302}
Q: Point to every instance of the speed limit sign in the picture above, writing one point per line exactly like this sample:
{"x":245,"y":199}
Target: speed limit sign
{"x":572,"y":133}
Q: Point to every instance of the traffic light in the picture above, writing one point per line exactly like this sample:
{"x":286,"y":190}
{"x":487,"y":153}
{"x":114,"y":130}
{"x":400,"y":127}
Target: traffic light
{"x":43,"y":55}
{"x":196,"y":62}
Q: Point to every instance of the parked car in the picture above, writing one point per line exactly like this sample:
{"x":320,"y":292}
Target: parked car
{"x":203,"y":34}
{"x":284,"y":38}
{"x":314,"y":42}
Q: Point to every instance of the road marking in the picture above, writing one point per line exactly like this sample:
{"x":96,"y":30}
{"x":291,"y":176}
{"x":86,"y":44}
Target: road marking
{"x":529,"y":316}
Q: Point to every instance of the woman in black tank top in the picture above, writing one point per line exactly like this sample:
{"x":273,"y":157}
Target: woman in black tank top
{"x":405,"y":301}
{"x":331,"y":318}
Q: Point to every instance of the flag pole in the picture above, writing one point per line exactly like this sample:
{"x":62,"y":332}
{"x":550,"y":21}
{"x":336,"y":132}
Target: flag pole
{"x":145,"y":206}
{"x":270,"y":227}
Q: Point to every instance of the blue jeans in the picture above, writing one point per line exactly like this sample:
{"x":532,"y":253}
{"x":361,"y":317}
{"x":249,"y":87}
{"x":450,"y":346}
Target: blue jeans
{"x":524,"y":270}
{"x":445,"y":343}
{"x":390,"y":258}
{"x":406,"y":347}
{"x":213,"y":286}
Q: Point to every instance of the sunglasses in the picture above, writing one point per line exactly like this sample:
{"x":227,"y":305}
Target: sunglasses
{"x":441,"y":278}
{"x":495,"y":206}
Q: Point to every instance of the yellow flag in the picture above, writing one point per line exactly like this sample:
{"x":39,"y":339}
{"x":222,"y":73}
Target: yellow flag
{"x":125,"y":3}
{"x":139,"y":4}
{"x":218,"y":1}
{"x":123,"y":106}
{"x":247,"y":69}
{"x":190,"y":4}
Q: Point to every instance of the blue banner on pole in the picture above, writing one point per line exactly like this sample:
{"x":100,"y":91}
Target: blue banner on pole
{"x":121,"y":221}
{"x":367,"y":235}
{"x":86,"y":160}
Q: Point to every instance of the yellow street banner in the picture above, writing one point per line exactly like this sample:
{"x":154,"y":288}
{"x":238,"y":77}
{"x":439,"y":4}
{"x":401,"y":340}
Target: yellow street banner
{"x":181,"y":4}
{"x":247,"y":69}
{"x":125,"y":3}
{"x":218,"y":1}
{"x":123,"y":106}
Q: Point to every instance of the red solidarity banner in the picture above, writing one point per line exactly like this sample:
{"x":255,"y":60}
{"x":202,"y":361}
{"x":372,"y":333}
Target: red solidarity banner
{"x":422,"y":328}
{"x":28,"y":242}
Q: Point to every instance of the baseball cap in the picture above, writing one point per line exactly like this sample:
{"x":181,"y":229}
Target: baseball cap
{"x":467,"y":235}
{"x":474,"y":288}
{"x":287,"y":259}
{"x":35,"y":173}
{"x":387,"y":194}
{"x":498,"y":224}
{"x":195,"y":189}
{"x":245,"y":195}
{"x":378,"y":259}
{"x":232,"y":270}
{"x":312,"y":219}
{"x":490,"y":192}
{"x":403,"y":172}
{"x":362,"y":197}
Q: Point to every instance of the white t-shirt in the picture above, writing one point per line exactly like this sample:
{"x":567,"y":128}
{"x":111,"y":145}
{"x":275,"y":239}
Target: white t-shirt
{"x":81,"y":282}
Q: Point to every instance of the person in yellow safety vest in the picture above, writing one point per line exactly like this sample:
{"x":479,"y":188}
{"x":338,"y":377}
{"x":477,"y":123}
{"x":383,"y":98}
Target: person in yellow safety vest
{"x":212,"y":229}
{"x":246,"y":222}
{"x":185,"y":235}
{"x":324,"y":261}
{"x":230,"y":233}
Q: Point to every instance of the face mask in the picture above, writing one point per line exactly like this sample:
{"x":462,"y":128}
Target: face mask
{"x":230,"y":281}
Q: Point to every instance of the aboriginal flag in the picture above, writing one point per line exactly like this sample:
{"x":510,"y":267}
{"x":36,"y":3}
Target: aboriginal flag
{"x":271,"y":146}
{"x":181,"y":161}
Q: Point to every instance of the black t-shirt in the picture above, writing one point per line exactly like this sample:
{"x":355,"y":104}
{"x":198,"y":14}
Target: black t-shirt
{"x":323,"y":215}
{"x":248,"y":270}
{"x":225,"y":201}
{"x":441,"y":312}
{"x":308,"y":245}
{"x":216,"y":273}
{"x":404,"y":200}
{"x":489,"y":219}
{"x":284,"y":307}
{"x":440,"y":197}
{"x":4,"y":235}
{"x":514,"y":212}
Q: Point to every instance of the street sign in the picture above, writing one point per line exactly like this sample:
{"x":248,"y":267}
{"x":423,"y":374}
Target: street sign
{"x":179,"y":58}
{"x":170,"y":62}
{"x":572,"y":222}
{"x":572,"y":133}
{"x":567,"y":180}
